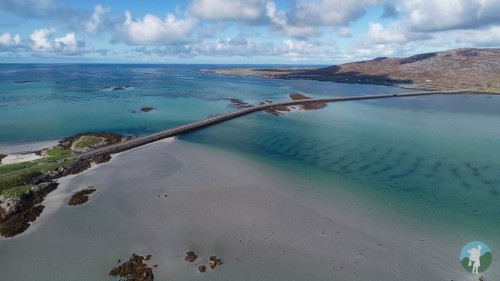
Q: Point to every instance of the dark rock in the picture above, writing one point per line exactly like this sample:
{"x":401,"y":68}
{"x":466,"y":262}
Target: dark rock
{"x":190,"y":256}
{"x":134,"y":269}
{"x":120,"y":88}
{"x":81,"y":196}
{"x":277,"y":110}
{"x":298,"y":96}
{"x":26,"y":210}
{"x":202,"y":268}
{"x":214,"y":261}
{"x":2,"y":156}
{"x":239,"y":103}
{"x":147,"y":109}
{"x":26,"y":81}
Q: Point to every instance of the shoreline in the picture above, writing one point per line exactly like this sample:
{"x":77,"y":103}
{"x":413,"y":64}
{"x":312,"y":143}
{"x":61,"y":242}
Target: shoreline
{"x":285,"y":73}
{"x":24,"y":148}
{"x":259,"y":222}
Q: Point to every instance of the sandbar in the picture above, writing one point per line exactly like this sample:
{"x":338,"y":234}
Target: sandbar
{"x":264,"y":223}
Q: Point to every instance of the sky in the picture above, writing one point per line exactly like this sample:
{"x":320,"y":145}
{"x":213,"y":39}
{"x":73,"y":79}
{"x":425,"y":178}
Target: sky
{"x":240,"y":32}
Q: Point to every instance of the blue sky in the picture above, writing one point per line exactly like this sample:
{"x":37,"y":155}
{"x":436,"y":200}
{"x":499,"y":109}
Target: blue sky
{"x":236,"y":31}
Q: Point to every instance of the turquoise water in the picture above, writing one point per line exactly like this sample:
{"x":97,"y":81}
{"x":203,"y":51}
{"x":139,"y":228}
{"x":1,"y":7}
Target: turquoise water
{"x":435,"y":158}
{"x":48,"y":102}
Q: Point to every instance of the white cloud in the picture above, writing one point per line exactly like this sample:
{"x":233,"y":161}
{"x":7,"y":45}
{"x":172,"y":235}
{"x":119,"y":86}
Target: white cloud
{"x":328,"y":12}
{"x":67,"y":44}
{"x":10,"y":40}
{"x":297,"y":49}
{"x":489,"y":37}
{"x":393,"y":39}
{"x":393,"y":34}
{"x":238,"y":10}
{"x":95,"y":22}
{"x":431,"y":15}
{"x":280,"y":24}
{"x":153,"y":31}
{"x":40,"y":40}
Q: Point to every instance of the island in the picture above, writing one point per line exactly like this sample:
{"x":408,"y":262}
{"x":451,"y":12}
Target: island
{"x":459,"y":69}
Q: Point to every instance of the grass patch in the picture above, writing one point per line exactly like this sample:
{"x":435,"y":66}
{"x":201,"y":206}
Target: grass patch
{"x":55,"y":153}
{"x":17,"y":181}
{"x":7,"y":168}
{"x":87,"y":142}
{"x":15,"y":192}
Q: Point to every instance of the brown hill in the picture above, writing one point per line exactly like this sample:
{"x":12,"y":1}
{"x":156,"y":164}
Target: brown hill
{"x":477,"y":69}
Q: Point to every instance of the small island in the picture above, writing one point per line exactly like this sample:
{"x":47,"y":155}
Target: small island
{"x":135,"y":269}
{"x":280,"y":109}
{"x":147,"y":109}
{"x":81,"y":197}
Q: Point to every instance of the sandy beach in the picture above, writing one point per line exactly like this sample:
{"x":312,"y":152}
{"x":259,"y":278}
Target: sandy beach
{"x":25,"y":148}
{"x":170,"y":197}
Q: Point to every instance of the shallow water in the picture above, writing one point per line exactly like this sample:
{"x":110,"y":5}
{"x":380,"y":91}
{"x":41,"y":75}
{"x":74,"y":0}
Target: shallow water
{"x":433,"y":158}
{"x":48,"y":102}
{"x":430,"y":163}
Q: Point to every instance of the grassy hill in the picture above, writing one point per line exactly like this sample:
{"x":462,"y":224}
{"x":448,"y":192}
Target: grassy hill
{"x":477,"y":69}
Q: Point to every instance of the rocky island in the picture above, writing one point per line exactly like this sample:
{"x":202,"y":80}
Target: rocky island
{"x":459,"y":69}
{"x":81,"y":197}
{"x":135,"y":269}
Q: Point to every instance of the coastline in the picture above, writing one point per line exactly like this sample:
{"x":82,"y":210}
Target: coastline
{"x":348,"y":78}
{"x":257,"y":220}
{"x":26,"y":147}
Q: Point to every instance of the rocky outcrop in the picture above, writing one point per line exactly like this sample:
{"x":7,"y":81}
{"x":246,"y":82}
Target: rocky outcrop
{"x":190,"y":256}
{"x":25,"y":210}
{"x":73,"y":168}
{"x":214,"y":261}
{"x":307,"y":106}
{"x":16,"y":215}
{"x":81,"y":197}
{"x":239,"y":103}
{"x":280,"y":109}
{"x":108,"y":139}
{"x":147,"y":109}
{"x":134,"y":269}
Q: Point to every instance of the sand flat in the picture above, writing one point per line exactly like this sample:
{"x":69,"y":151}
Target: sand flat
{"x":258,"y":221}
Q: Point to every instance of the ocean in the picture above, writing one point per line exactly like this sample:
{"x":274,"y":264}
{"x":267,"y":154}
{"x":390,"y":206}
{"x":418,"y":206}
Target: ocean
{"x":428,"y":161}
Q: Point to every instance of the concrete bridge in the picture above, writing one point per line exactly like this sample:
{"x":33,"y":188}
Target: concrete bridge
{"x":126,"y":145}
{"x":123,"y":146}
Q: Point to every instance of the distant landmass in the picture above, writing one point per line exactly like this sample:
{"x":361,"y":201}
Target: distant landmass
{"x":468,"y":69}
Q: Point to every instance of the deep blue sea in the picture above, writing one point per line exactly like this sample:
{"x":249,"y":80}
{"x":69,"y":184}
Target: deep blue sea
{"x":435,"y":157}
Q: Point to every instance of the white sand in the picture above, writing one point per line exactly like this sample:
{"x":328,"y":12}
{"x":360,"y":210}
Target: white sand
{"x":26,"y":148}
{"x":18,"y":158}
{"x":265,"y":225}
{"x":23,"y":152}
